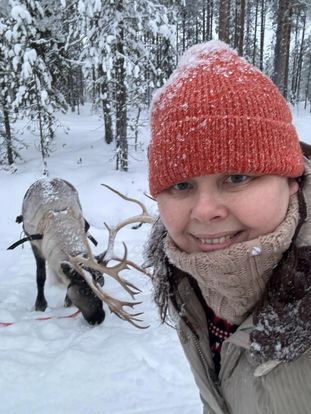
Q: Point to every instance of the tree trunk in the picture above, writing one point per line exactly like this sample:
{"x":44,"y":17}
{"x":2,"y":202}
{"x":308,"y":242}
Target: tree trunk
{"x":184,"y":25}
{"x":239,"y":29}
{"x":293,"y":92}
{"x":81,"y":86}
{"x":204,"y":23}
{"x":136,"y":127}
{"x":8,"y":137}
{"x":210,"y":17}
{"x":282,"y":45}
{"x":121,"y":98}
{"x":223,"y":32}
{"x":248,"y":31}
{"x":300,"y":57}
{"x":43,"y":143}
{"x":94,"y":92}
{"x":177,"y":42}
{"x":70,"y":89}
{"x":307,"y":90}
{"x":50,"y":127}
{"x":286,"y":71}
{"x":255,"y":35}
{"x":106,"y":105}
{"x":262,"y":33}
{"x":197,"y":30}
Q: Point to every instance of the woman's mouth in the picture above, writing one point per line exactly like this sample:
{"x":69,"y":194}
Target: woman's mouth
{"x":218,"y":240}
{"x":216,"y":243}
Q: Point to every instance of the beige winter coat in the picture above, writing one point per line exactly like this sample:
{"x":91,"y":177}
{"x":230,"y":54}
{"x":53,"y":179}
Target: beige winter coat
{"x":242,"y":388}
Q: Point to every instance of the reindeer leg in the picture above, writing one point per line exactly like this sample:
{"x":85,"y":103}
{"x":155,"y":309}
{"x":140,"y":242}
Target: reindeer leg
{"x":41,"y":303}
{"x":67,"y":301}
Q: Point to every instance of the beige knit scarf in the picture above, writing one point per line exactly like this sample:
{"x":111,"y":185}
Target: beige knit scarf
{"x":232,"y":280}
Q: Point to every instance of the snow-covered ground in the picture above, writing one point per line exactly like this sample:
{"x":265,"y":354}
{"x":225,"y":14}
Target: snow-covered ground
{"x":62,"y":365}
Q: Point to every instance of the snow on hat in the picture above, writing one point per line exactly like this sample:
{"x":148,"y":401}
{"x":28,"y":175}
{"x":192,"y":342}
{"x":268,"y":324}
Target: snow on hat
{"x":218,"y":114}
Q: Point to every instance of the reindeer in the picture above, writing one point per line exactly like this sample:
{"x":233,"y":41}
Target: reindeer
{"x":53,"y":222}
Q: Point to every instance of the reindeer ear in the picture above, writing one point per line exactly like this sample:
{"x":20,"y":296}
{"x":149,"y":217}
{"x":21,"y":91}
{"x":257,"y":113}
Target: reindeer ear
{"x":100,"y":258}
{"x":67,"y":269}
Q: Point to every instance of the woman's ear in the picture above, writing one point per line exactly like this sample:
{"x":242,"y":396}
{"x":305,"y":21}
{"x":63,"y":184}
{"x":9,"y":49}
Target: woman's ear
{"x":293,"y":186}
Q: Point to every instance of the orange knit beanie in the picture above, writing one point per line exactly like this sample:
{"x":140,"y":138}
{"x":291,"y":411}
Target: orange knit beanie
{"x":219,"y":114}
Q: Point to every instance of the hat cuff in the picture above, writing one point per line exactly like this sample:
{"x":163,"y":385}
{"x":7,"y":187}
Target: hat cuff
{"x":236,"y":148}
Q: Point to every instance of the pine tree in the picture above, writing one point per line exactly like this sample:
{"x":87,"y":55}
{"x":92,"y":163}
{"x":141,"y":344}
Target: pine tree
{"x":6,"y":91}
{"x":119,"y":57}
{"x":37,"y":65}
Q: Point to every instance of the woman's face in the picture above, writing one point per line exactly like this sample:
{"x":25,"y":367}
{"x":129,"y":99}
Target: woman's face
{"x":214,"y":211}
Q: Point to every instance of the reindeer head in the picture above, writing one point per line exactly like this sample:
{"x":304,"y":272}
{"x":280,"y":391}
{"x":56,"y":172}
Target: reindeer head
{"x":82,"y":296}
{"x":82,"y":266}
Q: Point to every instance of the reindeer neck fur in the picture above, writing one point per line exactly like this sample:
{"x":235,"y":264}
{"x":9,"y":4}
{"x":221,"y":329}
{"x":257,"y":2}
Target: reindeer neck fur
{"x":63,"y":234}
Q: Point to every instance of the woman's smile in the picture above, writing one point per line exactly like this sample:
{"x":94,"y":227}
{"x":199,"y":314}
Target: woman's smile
{"x":214,"y":211}
{"x":211,"y":243}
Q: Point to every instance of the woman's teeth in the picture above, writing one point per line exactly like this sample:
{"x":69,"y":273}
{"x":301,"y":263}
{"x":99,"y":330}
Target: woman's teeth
{"x":218,"y":240}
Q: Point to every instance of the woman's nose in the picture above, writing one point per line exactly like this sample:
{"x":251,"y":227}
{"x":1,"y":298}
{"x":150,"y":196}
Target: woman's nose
{"x":208,"y":207}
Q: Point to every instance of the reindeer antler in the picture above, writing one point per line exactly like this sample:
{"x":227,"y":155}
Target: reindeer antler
{"x":115,"y":305}
{"x":143,"y":217}
{"x":80,"y":262}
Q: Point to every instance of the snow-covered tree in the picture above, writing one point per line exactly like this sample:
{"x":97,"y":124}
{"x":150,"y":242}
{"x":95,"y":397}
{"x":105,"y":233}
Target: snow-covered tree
{"x":71,"y":83}
{"x":35,"y":43}
{"x":6,"y":91}
{"x":121,"y":59}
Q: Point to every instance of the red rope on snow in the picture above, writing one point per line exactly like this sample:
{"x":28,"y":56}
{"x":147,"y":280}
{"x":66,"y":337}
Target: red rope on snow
{"x":43,"y":318}
{"x":3,"y":324}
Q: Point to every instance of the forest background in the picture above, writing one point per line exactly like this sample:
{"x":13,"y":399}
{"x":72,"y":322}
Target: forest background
{"x":56,"y":55}
{"x":76,"y":80}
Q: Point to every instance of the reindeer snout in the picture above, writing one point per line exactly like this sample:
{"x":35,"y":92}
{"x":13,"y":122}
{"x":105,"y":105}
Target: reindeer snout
{"x":96,"y":318}
{"x":87,"y":302}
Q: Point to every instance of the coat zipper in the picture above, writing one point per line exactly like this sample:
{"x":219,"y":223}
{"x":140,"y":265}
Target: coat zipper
{"x":214,"y":378}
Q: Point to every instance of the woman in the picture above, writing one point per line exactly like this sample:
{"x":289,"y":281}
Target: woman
{"x":230,"y":250}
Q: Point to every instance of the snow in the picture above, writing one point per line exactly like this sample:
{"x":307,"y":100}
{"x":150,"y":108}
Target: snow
{"x":63,"y":365}
{"x":203,"y":52}
{"x":255,"y":251}
{"x":20,"y":13}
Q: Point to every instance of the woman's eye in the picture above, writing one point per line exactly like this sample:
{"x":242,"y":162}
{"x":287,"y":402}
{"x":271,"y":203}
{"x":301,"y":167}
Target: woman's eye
{"x":181,"y":186}
{"x":237,"y":179}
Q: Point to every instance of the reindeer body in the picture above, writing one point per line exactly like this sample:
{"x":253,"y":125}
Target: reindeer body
{"x":51,"y":207}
